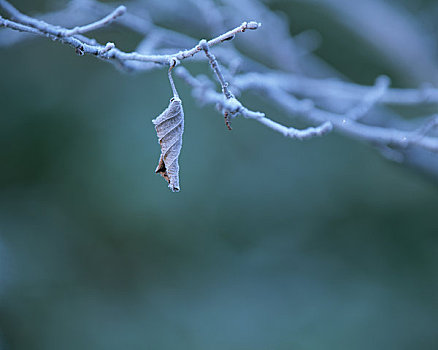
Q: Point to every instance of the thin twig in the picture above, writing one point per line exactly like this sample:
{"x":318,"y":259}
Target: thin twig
{"x":234,"y":106}
{"x":215,"y":66}
{"x":338,"y":90}
{"x":58,"y":33}
{"x":352,"y":128}
{"x":172,"y":83}
{"x":17,"y":26}
{"x":370,"y":99}
{"x":119,"y":11}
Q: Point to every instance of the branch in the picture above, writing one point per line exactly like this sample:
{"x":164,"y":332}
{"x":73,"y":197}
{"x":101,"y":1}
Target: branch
{"x":31,"y":25}
{"x":341,"y":123}
{"x":61,"y":32}
{"x":215,"y":66}
{"x":326,"y":103}
{"x":119,"y":11}
{"x":206,"y":95}
{"x":338,"y":90}
{"x":370,"y":99}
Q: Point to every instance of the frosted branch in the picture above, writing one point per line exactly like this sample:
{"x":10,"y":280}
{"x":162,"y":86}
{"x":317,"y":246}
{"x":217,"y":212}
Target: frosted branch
{"x":206,"y":95}
{"x":215,"y":66}
{"x":370,"y":99}
{"x":342,"y":91}
{"x":373,"y":134}
{"x":119,"y":11}
{"x":61,"y":32}
{"x":354,"y":110}
{"x":31,"y":25}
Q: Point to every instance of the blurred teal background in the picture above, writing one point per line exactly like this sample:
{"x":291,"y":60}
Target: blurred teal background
{"x":271,"y":244}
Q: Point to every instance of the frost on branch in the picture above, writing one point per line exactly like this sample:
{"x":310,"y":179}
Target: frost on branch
{"x":280,"y":69}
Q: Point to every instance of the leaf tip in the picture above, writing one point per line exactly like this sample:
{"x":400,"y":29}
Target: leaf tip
{"x":173,"y":181}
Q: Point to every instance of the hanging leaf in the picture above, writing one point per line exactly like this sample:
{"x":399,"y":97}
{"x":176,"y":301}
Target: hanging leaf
{"x":170,"y":127}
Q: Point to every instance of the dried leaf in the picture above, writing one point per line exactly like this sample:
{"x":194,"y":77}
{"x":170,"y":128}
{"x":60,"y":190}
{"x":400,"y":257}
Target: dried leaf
{"x":170,"y":127}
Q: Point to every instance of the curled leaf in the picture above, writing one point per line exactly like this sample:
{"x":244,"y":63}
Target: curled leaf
{"x":170,"y":127}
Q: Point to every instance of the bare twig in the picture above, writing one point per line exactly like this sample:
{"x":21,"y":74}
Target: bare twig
{"x":17,"y":26}
{"x":370,"y":99}
{"x":63,"y":35}
{"x":234,"y":107}
{"x":427,"y":127}
{"x":341,"y":123}
{"x":119,"y":11}
{"x":215,"y":66}
{"x":61,"y":32}
{"x":339,"y":90}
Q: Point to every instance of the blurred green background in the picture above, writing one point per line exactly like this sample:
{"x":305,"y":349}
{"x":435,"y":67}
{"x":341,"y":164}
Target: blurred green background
{"x":271,"y":244}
